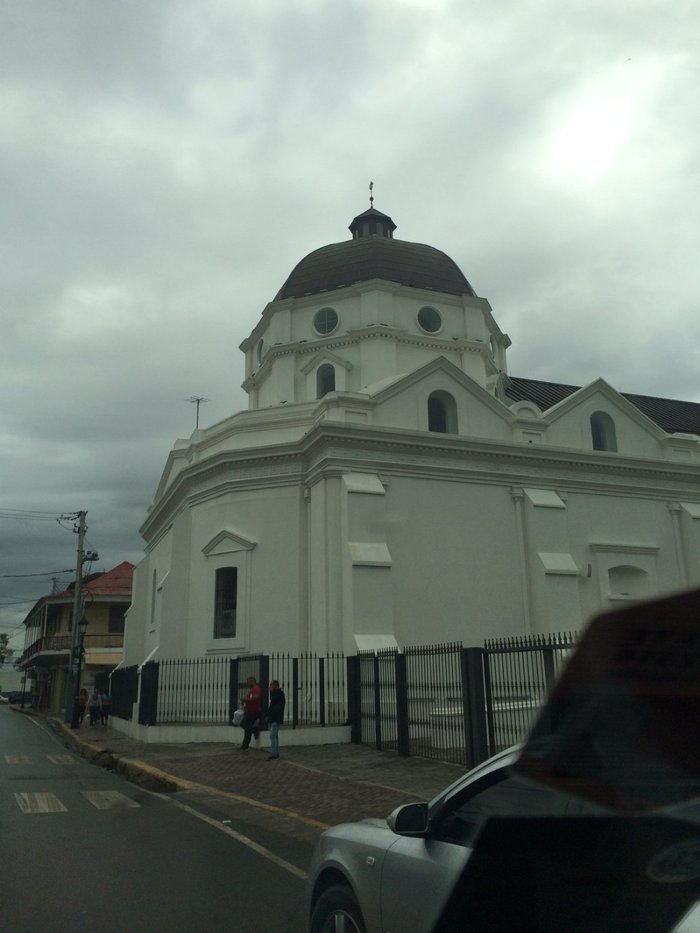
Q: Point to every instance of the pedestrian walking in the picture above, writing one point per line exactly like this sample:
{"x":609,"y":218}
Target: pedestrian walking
{"x":106,"y":708}
{"x":275,"y":717}
{"x":252,"y":710}
{"x":82,"y":704}
{"x":94,"y":706}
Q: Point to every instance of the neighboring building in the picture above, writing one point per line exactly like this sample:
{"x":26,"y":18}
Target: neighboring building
{"x":390,"y":484}
{"x":48,"y":636}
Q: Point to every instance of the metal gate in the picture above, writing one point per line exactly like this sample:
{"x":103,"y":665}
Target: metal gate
{"x":413,"y":702}
{"x":518,"y":674}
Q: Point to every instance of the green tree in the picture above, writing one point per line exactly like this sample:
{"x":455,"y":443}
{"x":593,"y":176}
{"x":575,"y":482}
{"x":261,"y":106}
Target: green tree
{"x":4,"y":650}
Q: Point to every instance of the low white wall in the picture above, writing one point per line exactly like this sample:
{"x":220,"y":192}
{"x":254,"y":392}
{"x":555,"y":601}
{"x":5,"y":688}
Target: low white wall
{"x":313,"y":735}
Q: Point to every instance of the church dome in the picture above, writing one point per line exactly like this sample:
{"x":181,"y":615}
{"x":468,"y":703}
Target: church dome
{"x":373,"y":253}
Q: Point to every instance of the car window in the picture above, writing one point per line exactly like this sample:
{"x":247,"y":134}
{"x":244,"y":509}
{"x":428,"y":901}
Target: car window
{"x":510,"y":796}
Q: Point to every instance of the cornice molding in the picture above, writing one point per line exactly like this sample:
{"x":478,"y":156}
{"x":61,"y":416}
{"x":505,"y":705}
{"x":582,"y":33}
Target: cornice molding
{"x":332,"y":449}
{"x":355,"y":337}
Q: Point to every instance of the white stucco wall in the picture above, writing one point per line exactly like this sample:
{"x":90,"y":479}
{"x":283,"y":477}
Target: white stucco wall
{"x":347,"y":519}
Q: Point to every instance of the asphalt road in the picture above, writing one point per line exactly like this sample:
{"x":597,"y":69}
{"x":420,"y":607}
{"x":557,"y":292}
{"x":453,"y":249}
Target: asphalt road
{"x":81,"y":846}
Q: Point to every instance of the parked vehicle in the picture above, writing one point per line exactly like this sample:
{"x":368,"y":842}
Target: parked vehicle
{"x":397,"y":874}
{"x":15,"y":696}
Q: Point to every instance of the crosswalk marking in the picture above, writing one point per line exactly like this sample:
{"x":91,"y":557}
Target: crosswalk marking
{"x":108,"y":799}
{"x":46,"y":802}
{"x":62,"y":759}
{"x":42,"y":802}
{"x":18,"y":759}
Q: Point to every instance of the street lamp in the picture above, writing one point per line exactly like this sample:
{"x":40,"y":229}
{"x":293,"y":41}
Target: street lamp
{"x":77,"y":662}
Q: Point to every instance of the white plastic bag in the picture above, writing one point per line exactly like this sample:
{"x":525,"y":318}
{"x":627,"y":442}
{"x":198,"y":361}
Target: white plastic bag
{"x":237,"y":718}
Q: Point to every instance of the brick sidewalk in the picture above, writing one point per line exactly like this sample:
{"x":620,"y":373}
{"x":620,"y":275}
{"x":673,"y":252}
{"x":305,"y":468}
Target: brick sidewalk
{"x":328,"y":784}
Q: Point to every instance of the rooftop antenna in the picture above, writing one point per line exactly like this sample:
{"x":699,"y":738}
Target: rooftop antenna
{"x":371,"y":196}
{"x":197,"y":400}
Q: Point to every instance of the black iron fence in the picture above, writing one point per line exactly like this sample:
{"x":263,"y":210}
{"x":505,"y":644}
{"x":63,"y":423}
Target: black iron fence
{"x":518,"y":674}
{"x":208,"y":690}
{"x":437,"y":701}
{"x":426,"y":700}
{"x":453,"y":703}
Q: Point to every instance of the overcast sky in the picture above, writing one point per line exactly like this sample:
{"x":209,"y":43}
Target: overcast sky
{"x":165,"y":164}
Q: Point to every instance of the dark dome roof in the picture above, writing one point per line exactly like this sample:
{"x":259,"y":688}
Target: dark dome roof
{"x":375,"y":256}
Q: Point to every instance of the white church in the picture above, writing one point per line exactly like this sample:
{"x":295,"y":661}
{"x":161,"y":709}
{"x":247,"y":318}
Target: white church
{"x":391,"y":485}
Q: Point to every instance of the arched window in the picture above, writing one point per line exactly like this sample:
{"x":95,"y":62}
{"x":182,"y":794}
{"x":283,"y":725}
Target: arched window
{"x":325,"y":379}
{"x":442,"y":413}
{"x":225,"y":600}
{"x":154,"y":593}
{"x":603,"y":431}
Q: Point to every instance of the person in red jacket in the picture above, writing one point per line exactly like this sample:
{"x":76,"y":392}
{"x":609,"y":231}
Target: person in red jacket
{"x":252,"y":709}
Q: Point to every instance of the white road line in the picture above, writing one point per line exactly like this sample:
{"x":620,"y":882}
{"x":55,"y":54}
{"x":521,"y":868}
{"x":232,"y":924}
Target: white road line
{"x":62,"y":759}
{"x":108,"y":799}
{"x":45,"y":802}
{"x":250,"y":843}
{"x":18,"y":759}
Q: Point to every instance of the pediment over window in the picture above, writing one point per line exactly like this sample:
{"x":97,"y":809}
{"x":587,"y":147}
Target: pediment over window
{"x":600,"y":395}
{"x":227,"y":542}
{"x":325,"y":356}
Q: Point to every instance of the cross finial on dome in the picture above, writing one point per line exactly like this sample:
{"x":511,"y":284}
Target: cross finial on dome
{"x":371,"y":196}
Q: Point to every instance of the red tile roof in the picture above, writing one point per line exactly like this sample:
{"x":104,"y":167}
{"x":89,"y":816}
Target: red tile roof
{"x":114,"y":582}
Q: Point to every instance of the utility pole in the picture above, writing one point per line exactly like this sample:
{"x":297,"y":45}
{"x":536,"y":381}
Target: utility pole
{"x":71,"y":687}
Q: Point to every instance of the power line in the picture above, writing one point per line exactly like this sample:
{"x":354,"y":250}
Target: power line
{"x":52,"y":513}
{"x":17,"y":600}
{"x":46,"y":573}
{"x":36,"y":515}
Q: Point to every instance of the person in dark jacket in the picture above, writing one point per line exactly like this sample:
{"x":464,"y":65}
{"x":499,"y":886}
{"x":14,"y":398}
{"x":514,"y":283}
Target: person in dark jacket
{"x":275,"y":716}
{"x":106,"y":707}
{"x":94,"y":706}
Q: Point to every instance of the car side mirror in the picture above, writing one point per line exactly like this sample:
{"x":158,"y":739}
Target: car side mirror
{"x":409,"y":820}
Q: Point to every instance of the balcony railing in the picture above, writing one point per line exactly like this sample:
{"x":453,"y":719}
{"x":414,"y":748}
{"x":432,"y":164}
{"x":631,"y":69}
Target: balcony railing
{"x":48,"y":644}
{"x":61,"y":644}
{"x":104,"y":642}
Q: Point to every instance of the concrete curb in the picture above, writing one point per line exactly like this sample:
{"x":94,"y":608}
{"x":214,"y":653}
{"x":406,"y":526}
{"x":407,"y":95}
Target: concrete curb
{"x":154,"y":779}
{"x":137,"y":772}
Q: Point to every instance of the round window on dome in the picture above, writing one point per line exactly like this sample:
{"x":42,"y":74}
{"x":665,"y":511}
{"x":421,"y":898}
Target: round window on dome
{"x":430,"y":320}
{"x":325,"y":321}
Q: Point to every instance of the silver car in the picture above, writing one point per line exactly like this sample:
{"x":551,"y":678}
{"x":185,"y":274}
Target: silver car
{"x":395,"y":875}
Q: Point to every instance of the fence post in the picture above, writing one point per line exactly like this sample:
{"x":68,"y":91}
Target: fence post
{"x":295,"y":692}
{"x":473,"y":698}
{"x":488,"y":691}
{"x":148,"y":704}
{"x":322,"y":690}
{"x":377,"y":705}
{"x":354,"y":699}
{"x":548,"y":667}
{"x":233,"y":699}
{"x":402,"y":734}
